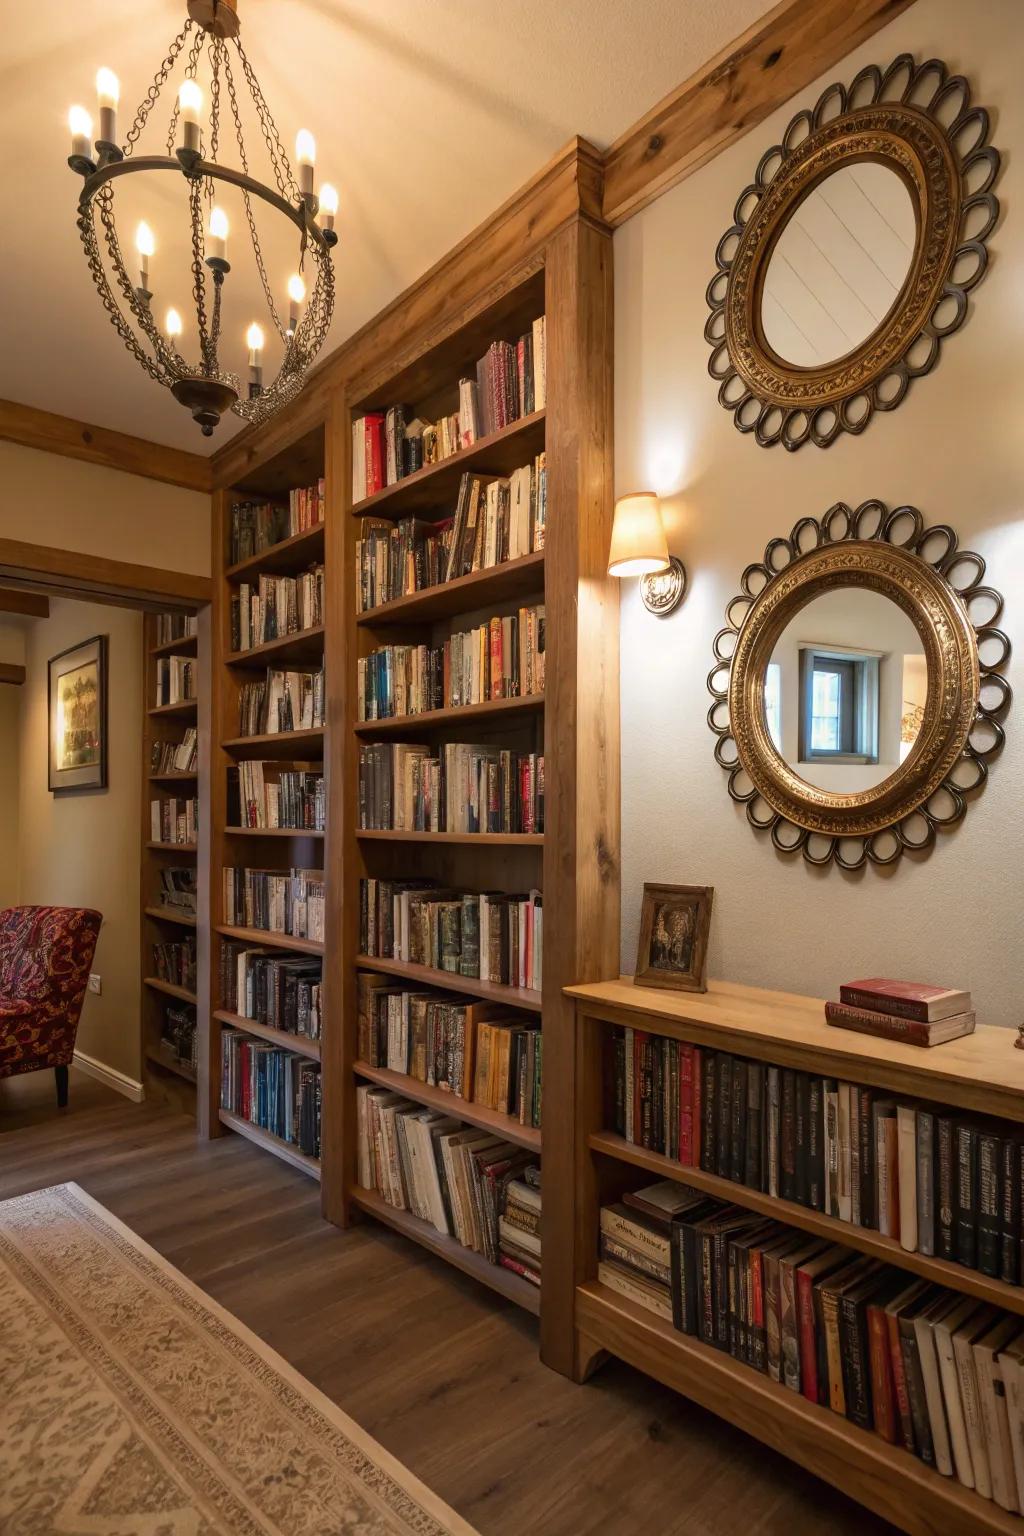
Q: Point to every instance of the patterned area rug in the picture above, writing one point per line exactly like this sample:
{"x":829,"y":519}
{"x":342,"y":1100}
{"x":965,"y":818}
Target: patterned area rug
{"x":131,"y":1404}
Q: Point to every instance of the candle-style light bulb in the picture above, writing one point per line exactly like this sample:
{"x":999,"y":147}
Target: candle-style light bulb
{"x":190,"y":105}
{"x":254,"y":341}
{"x":173,"y":327}
{"x":80,"y":124}
{"x":218,"y":234}
{"x":305,"y":154}
{"x":145,"y":244}
{"x":296,"y":295}
{"x":328,"y":205}
{"x":108,"y":90}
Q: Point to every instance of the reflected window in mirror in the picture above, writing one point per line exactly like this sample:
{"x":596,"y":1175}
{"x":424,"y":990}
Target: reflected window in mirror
{"x":773,"y":703}
{"x":838,"y":706}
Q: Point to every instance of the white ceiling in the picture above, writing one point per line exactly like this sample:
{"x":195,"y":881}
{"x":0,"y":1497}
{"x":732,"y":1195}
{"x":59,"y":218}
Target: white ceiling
{"x":427,"y":115}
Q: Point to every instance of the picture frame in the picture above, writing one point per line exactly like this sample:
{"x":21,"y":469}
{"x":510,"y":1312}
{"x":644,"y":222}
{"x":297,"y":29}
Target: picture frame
{"x":675,"y":923}
{"x":77,"y":716}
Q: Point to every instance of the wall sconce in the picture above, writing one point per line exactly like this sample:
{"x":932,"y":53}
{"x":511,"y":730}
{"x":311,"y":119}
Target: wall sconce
{"x":639,"y":548}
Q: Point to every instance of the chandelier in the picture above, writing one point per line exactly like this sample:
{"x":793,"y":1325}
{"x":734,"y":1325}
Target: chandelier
{"x":209,"y":39}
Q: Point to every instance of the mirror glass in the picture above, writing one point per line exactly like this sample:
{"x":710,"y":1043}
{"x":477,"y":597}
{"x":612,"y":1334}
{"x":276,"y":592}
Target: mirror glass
{"x":839,"y":264}
{"x":845,"y":690}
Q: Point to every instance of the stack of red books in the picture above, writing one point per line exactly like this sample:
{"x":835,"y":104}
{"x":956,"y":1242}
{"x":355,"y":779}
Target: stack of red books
{"x":902,"y":1010}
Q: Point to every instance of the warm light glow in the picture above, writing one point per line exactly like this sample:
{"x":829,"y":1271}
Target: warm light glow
{"x":305,"y":147}
{"x":218,"y":224}
{"x":328,"y":199}
{"x":108,"y":87}
{"x":639,"y":546}
{"x":80,"y":123}
{"x":190,"y":100}
{"x":172,"y":325}
{"x":254,"y":338}
{"x":145,"y":243}
{"x":296,"y":289}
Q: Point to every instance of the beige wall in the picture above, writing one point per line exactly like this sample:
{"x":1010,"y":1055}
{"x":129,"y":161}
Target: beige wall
{"x":12,"y":650}
{"x":954,"y":448}
{"x":67,"y":504}
{"x":84,"y":849}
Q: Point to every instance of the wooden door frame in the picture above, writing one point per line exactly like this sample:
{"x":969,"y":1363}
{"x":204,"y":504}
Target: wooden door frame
{"x":96,"y":579}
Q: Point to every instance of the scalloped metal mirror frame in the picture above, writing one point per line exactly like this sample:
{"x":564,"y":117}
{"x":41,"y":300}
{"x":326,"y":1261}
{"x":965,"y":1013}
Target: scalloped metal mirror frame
{"x":937,"y":585}
{"x":918,"y":121}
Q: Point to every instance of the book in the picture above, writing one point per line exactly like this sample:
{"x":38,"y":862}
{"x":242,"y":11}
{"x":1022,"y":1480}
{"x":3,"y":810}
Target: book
{"x":888,"y":1026}
{"x":905,"y":999}
{"x":906,"y":1173}
{"x":945,"y":1326}
{"x":995,"y":1423}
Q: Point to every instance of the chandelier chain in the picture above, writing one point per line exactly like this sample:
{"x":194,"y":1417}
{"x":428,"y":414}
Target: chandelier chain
{"x":198,"y":277}
{"x":268,"y":292}
{"x":150,"y":99}
{"x":278,"y":159}
{"x":87,"y":231}
{"x":191,"y":69}
{"x":105,"y":204}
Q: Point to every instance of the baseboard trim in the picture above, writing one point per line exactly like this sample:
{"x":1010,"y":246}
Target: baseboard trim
{"x":119,"y":1081}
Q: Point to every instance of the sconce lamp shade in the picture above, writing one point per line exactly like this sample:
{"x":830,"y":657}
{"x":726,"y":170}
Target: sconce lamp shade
{"x":639,"y":546}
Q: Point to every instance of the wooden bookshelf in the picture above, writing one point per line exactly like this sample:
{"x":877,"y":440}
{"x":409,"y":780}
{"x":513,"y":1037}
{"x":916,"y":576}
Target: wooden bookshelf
{"x":449,"y":1104}
{"x":523,"y":577}
{"x":298,"y":464}
{"x":451,"y":981}
{"x":164,"y":1076}
{"x":979,"y":1073}
{"x":435,"y":485}
{"x":468,"y":715}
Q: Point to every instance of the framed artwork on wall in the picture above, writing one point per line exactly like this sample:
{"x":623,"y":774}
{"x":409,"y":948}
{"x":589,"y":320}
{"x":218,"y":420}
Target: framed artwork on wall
{"x":77,"y":697}
{"x":675,"y":921}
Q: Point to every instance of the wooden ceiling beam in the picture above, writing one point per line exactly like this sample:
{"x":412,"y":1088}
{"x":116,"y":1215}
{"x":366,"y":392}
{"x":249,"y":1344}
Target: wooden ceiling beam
{"x":32,"y":604}
{"x":97,"y":445}
{"x":781,"y":54}
{"x":93,"y":578}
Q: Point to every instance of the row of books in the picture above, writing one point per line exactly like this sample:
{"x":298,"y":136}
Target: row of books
{"x":404,"y":787}
{"x":276,"y":606}
{"x":494,"y":521}
{"x":487,"y":934}
{"x":940,"y":1183}
{"x":268,"y":794}
{"x":175,"y":626}
{"x":179,"y":1036}
{"x":922,"y":1366}
{"x":176,"y":962}
{"x":176,"y":756}
{"x":290,"y":902}
{"x":176,"y":678}
{"x":281,"y":701}
{"x":500,"y":659}
{"x":463,"y":1182}
{"x":281,"y":991}
{"x":510,"y":382}
{"x":256,"y":526}
{"x":178,"y":890}
{"x":272,"y":1088}
{"x":474,"y":1051}
{"x":174,"y":821}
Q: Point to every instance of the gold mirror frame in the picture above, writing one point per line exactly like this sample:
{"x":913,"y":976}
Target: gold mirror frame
{"x":941,"y":589}
{"x":919,"y":122}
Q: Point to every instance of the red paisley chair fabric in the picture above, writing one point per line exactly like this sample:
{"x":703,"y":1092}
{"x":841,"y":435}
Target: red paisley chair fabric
{"x":45,"y":957}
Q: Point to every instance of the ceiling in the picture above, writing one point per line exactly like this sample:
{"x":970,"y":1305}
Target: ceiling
{"x":428,"y":114}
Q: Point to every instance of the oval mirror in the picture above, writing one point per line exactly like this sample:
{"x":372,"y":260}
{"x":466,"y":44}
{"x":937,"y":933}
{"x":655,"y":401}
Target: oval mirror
{"x":839,"y":265}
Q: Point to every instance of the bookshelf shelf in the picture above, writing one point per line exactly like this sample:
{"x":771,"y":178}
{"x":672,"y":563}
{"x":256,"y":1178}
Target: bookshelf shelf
{"x":302,"y":744}
{"x":184,"y":709}
{"x":432,"y":485}
{"x":304,"y":645}
{"x":300,"y":1044}
{"x":894,"y":1484}
{"x":185,"y":848}
{"x":274,"y":940}
{"x":429,"y":976}
{"x":292,"y":554}
{"x":513,"y":1287}
{"x":954,"y":1276}
{"x":450,"y":1104}
{"x":289,"y":832}
{"x":169,"y":915}
{"x":498,"y":583}
{"x":176,"y":777}
{"x":270,"y":1143}
{"x":179,"y":1068}
{"x":170,"y":988}
{"x":432,"y":719}
{"x":188,"y":645}
{"x":470,"y":839}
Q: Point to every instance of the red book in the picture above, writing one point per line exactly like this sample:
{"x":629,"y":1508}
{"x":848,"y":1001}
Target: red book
{"x":905,"y":999}
{"x":905,"y":1301}
{"x":373,"y":442}
{"x":883,"y":1394}
{"x":686,"y":1105}
{"x":889,"y":1026}
{"x":807,"y":1277}
{"x":697,"y":1101}
{"x":496,"y":658}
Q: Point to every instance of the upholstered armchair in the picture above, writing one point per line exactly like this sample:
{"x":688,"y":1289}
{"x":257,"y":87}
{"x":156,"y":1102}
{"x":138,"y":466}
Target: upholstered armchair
{"x":45,"y":957}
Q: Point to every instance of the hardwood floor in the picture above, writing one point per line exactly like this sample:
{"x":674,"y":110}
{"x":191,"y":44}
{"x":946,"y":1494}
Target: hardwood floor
{"x":442,"y":1372}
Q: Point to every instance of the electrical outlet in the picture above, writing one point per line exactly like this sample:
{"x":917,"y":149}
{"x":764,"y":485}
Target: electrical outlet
{"x":95,"y":983}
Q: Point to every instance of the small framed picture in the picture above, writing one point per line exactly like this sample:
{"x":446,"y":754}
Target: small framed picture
{"x":78,"y":717}
{"x":675,"y":921}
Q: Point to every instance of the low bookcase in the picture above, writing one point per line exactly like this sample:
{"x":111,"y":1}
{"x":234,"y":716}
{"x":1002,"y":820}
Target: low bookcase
{"x":980,"y":1074}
